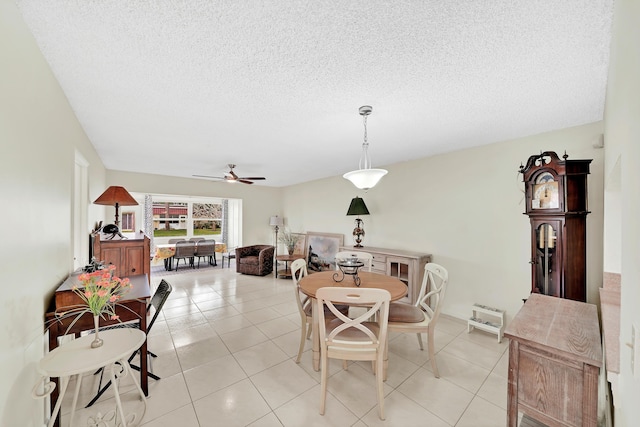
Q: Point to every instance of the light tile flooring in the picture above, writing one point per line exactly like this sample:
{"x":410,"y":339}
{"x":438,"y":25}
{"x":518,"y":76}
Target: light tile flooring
{"x":226,"y":346}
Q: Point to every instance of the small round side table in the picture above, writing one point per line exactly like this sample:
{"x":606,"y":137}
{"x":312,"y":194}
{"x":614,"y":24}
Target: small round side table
{"x":77,"y":357}
{"x":286,"y":273}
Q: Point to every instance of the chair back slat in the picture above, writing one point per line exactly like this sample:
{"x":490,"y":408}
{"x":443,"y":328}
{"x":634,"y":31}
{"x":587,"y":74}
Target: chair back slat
{"x":338,"y":331}
{"x":435,"y":281}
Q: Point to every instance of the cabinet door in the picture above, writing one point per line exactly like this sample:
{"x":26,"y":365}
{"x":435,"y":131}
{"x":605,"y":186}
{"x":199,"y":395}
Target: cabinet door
{"x":134,"y":261}
{"x":112,"y":255}
{"x":400,"y":268}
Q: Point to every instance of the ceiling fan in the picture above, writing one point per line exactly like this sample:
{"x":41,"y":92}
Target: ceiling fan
{"x":232,"y":177}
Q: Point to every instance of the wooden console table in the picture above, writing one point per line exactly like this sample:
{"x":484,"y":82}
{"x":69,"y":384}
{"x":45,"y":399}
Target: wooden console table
{"x":407,"y":266}
{"x":555,"y":355}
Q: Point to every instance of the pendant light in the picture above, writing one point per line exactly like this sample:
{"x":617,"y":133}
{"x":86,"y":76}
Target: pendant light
{"x":365,"y":178}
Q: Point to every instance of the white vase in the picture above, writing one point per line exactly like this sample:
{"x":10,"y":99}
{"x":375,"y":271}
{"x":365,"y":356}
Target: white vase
{"x":97,"y":341}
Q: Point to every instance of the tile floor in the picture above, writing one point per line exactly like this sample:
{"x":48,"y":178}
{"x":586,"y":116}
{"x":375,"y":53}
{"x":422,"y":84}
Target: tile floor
{"x":226,"y":346}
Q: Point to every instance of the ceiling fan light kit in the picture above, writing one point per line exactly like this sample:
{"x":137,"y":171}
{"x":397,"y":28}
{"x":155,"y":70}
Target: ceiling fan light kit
{"x":365,"y":177}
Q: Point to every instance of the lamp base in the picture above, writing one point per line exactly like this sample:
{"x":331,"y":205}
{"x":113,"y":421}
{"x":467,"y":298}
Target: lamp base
{"x":358,"y":233}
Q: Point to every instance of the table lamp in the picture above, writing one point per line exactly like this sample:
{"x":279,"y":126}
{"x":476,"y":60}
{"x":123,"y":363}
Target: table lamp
{"x":116,"y":196}
{"x":357,"y":207}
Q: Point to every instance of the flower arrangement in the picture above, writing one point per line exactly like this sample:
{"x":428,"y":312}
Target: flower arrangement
{"x":101,"y":290}
{"x":288,"y":239}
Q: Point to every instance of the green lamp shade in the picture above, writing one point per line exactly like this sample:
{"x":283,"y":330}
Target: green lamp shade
{"x":357,"y":207}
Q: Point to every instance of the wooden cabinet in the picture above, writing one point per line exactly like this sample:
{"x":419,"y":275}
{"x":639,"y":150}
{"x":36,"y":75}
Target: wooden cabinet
{"x":555,"y":356}
{"x":130,"y":256}
{"x":556,"y":203}
{"x":407,"y":266}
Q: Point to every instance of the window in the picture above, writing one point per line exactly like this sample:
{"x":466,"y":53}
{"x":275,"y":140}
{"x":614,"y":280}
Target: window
{"x":184,"y":217}
{"x":207,"y":218}
{"x":128,"y":221}
{"x":170,"y":219}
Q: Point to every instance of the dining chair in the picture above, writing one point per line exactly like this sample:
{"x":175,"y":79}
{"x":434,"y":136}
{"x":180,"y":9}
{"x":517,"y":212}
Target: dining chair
{"x":366,"y":257}
{"x":305,"y":306}
{"x":206,"y":249}
{"x":344,"y":338}
{"x":185,"y":251}
{"x":156,"y":303}
{"x":172,"y":241}
{"x":229,"y":255}
{"x":422,"y":316}
{"x":298,"y":271}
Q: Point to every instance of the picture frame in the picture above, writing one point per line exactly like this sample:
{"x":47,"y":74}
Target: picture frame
{"x":322,"y":249}
{"x":300,"y":247}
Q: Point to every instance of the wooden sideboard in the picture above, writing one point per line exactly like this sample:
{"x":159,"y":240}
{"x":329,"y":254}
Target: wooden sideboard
{"x":555,"y":356}
{"x":130,"y":256}
{"x":407,"y":266}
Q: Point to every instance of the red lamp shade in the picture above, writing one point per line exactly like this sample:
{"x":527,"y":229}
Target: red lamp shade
{"x":116,"y":196}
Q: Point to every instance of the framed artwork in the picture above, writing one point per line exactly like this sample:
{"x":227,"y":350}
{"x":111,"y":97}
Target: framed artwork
{"x":300,"y":247}
{"x":322,"y":249}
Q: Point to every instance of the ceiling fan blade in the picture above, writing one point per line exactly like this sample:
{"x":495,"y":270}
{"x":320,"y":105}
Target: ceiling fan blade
{"x":207,"y":176}
{"x":253,"y":178}
{"x":244,"y":181}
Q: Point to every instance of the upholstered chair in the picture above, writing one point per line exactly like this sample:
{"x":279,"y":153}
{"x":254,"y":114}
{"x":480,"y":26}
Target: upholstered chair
{"x":256,"y":259}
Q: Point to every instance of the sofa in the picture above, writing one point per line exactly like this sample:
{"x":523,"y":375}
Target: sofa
{"x":255,"y":259}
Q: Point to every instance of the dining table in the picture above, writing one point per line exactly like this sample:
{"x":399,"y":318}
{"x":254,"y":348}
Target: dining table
{"x":165,"y":252}
{"x":310,"y":284}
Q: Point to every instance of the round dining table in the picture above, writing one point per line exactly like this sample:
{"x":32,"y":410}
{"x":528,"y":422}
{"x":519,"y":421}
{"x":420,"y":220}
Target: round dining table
{"x":310,"y":284}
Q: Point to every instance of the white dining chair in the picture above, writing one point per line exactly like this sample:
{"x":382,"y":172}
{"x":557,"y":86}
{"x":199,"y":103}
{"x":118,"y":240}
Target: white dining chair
{"x":422,"y":316}
{"x":353,"y":339}
{"x":298,"y":271}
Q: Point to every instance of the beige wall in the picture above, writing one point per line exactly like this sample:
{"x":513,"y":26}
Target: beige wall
{"x":259,"y":203}
{"x":622,"y":201}
{"x":466,"y":208}
{"x":39,"y":134}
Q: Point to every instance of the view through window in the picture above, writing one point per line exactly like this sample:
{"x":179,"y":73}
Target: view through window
{"x":186,"y":219}
{"x":183,"y":217}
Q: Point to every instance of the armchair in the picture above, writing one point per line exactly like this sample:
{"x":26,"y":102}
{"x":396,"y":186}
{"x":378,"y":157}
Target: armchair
{"x":255,"y":259}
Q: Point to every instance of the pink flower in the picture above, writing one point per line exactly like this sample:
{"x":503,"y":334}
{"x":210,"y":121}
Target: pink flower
{"x":115,"y":317}
{"x":102,"y":293}
{"x":88,"y":294}
{"x":114,"y":298}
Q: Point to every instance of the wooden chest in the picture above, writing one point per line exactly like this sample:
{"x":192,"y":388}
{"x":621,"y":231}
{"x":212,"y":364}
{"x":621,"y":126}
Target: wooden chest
{"x":555,"y":355}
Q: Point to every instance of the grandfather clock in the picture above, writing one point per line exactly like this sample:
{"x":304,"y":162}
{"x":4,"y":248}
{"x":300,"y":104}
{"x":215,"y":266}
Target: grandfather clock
{"x":556,"y":203}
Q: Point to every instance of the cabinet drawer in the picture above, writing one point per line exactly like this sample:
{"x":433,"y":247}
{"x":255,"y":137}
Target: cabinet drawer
{"x":379,"y":266}
{"x":379,"y":258}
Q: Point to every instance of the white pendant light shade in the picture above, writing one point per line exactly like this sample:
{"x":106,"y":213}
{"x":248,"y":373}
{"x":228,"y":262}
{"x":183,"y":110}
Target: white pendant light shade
{"x":365,"y":178}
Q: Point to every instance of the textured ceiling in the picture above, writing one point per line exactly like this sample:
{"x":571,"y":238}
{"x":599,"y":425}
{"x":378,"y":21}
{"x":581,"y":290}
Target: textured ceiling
{"x":184,"y":87}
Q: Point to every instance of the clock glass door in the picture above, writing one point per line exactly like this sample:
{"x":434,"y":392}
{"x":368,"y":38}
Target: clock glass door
{"x":547,"y":259}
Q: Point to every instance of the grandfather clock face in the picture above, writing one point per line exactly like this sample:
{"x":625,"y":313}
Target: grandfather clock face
{"x":545,"y":192}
